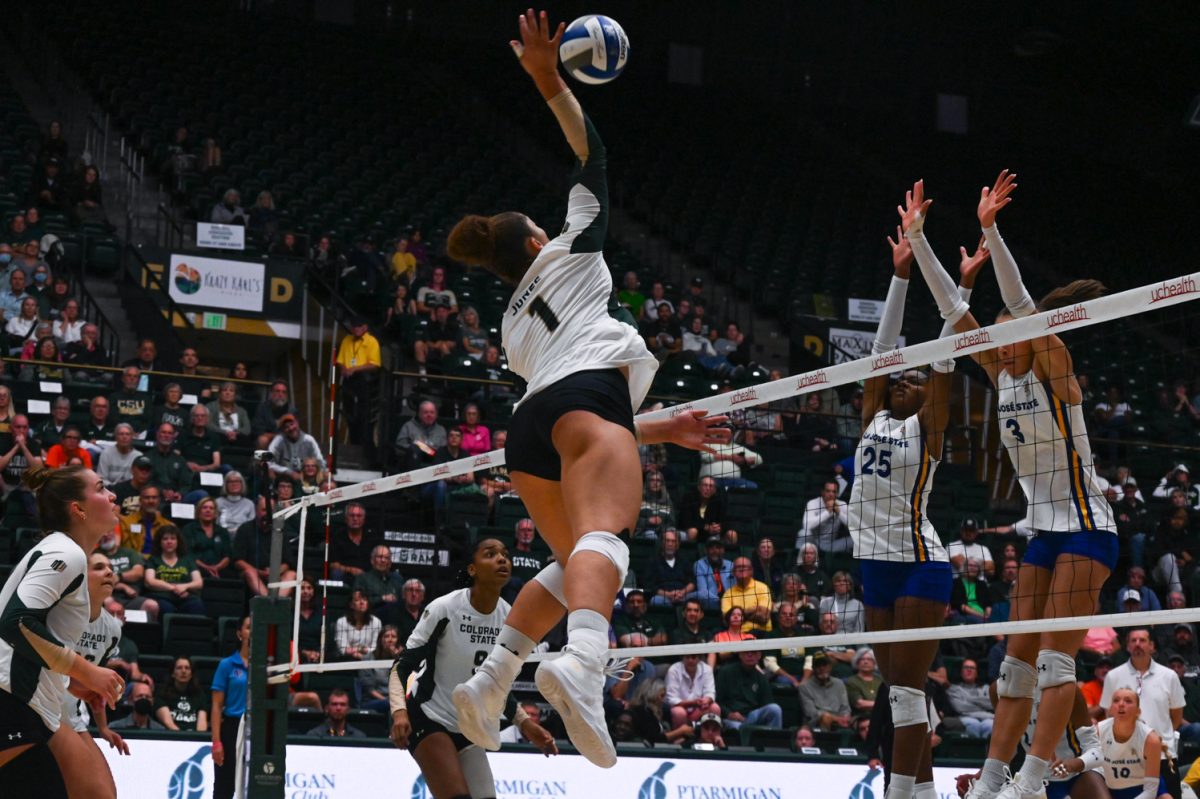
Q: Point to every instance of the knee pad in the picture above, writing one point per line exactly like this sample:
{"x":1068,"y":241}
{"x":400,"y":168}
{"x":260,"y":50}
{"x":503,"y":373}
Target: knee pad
{"x":909,"y":706}
{"x":609,"y":546}
{"x":1054,"y":668}
{"x":474,"y":763}
{"x":1017,"y":679}
{"x":551,"y":578}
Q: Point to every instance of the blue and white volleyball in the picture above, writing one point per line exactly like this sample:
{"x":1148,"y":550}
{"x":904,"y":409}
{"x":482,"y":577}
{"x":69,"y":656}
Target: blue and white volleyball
{"x":594,"y":49}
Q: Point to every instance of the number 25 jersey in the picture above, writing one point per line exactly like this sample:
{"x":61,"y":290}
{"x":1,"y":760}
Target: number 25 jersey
{"x":891,"y":489}
{"x":557,"y":320}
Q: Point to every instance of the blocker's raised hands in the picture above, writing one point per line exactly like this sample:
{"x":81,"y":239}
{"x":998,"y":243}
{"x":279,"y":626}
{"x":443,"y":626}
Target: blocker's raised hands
{"x":993,"y":199}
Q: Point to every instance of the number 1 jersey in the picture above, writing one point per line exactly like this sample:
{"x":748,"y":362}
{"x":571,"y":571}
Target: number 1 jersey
{"x":887,"y":504}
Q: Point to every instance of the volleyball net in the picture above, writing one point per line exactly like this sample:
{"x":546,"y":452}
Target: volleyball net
{"x":1134,"y":342}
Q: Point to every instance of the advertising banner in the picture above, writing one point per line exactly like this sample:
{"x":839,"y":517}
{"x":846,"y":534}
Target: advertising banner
{"x":221,"y":237}
{"x":850,"y":345}
{"x":217,"y":283}
{"x":183,"y":770}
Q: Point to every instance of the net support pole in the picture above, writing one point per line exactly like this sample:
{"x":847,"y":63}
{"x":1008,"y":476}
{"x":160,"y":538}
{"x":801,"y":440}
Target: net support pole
{"x":266,"y":711}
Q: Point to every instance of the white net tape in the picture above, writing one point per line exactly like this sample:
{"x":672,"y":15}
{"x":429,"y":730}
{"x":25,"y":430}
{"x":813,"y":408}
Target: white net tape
{"x":1105,"y":309}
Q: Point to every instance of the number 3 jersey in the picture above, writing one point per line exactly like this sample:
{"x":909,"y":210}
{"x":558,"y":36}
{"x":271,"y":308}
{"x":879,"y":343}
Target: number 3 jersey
{"x":445,"y":648}
{"x":891,"y":490}
{"x":557,"y":321}
{"x":1048,"y":445}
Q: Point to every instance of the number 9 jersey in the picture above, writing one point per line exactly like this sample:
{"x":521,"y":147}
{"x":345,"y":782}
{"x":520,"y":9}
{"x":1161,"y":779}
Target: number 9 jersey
{"x":557,"y":321}
{"x":891,"y":490}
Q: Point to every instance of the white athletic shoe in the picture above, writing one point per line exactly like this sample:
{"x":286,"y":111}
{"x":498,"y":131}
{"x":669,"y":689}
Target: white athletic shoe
{"x":977,"y":790}
{"x":480,"y":702}
{"x":1018,"y":789}
{"x":574,"y":686}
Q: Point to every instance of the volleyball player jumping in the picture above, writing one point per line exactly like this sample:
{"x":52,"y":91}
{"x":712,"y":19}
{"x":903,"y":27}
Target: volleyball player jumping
{"x":572,"y":443}
{"x":1074,"y":547}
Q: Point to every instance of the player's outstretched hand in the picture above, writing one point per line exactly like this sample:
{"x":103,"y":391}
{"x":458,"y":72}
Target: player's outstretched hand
{"x":697,"y":430}
{"x":902,"y":254}
{"x":537,"y":735}
{"x":915,"y":208}
{"x":115,"y":741}
{"x":993,"y":199}
{"x":537,"y":49}
{"x":401,"y":729}
{"x":968,"y":268}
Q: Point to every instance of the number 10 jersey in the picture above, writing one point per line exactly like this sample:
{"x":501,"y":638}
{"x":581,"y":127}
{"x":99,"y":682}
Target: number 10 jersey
{"x":891,"y":489}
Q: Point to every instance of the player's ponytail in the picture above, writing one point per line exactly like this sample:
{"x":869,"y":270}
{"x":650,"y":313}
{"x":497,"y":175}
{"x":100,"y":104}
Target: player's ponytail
{"x":496,"y":243}
{"x":55,"y":490}
{"x":1073,"y":293}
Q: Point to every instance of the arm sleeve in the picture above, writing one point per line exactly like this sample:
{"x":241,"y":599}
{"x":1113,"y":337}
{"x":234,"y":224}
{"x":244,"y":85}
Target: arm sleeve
{"x":1012,"y":290}
{"x":420,"y":644}
{"x":49,"y":577}
{"x":950,"y":304}
{"x":948,"y":330}
{"x":892,"y":318}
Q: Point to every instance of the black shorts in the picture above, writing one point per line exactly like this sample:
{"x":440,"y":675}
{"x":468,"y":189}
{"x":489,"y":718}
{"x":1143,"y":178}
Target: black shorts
{"x":423,"y":727}
{"x":530,"y":448}
{"x":1168,"y":772}
{"x":20,"y":724}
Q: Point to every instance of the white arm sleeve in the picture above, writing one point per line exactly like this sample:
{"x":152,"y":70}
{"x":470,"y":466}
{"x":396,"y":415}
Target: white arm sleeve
{"x":950,"y":304}
{"x":948,"y":330}
{"x":892,"y":318}
{"x":1012,"y":290}
{"x":1149,"y":788}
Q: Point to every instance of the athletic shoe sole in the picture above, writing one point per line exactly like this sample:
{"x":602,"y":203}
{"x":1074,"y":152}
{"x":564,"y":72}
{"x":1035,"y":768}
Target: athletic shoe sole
{"x":593,"y":744}
{"x":473,"y":722}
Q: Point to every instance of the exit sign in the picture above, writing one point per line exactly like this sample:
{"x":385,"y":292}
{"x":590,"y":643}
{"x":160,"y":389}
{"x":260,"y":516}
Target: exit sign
{"x":214,"y":321}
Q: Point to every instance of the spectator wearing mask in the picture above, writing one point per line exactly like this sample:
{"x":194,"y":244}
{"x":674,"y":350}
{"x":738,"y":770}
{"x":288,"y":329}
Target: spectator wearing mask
{"x":141,"y":699}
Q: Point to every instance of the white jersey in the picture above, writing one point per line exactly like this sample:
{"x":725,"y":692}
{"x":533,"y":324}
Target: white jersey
{"x":1048,"y":444}
{"x":445,"y":648}
{"x":49,"y":588}
{"x":97,"y":644}
{"x":557,"y":321}
{"x":1124,"y":762}
{"x":891,"y":490}
{"x":1073,"y":743}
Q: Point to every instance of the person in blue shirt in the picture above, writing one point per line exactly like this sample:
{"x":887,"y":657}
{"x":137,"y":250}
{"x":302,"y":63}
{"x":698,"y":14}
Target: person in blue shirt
{"x":713,"y":574}
{"x":230,"y":684}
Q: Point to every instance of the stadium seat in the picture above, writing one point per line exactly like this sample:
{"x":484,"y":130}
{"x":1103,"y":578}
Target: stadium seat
{"x":224,"y":597}
{"x":146,"y":635}
{"x":187,"y":634}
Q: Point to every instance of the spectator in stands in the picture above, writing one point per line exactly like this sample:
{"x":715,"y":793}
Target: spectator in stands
{"x":1182,"y":642}
{"x":1178,"y":478}
{"x":53,"y":144}
{"x":753,"y":596}
{"x":849,"y":422}
{"x":632,"y":628}
{"x":99,"y":427}
{"x":234,"y":508}
{"x":69,"y":447}
{"x":437,"y":295}
{"x":229,"y":420}
{"x":266,"y":418}
{"x":703,"y":512}
{"x":649,"y":306}
{"x":371,"y":685}
{"x":350,"y":548}
{"x":116,"y":462}
{"x":1098,"y":642}
{"x":169,"y":471}
{"x":476,"y":438}
{"x":399,"y":321}
{"x":381,"y":585}
{"x":192,"y":382}
{"x":45,"y":349}
{"x":843,"y":605}
{"x":1175,"y":549}
{"x":54,"y":302}
{"x":825,"y":523}
{"x":291,"y":446}
{"x":697,"y":342}
{"x":141,"y":699}
{"x":355,"y":633}
{"x":657,"y":511}
{"x":734,"y":630}
{"x":337,"y":708}
{"x":413,"y":603}
{"x":420,"y":437}
{"x":745,"y":694}
{"x":146,"y":360}
{"x":22,"y":326}
{"x":1093,"y":688}
{"x":13,"y":300}
{"x":87,"y":200}
{"x":708,"y":732}
{"x":86,"y":352}
{"x":724,"y":462}
{"x":18,"y":453}
{"x":863,"y":686}
{"x":229,"y":210}
{"x":712,"y":574}
{"x":262,"y":219}
{"x":787,"y":666}
{"x":474,"y":337}
{"x":621,"y":728}
{"x":646,"y":706}
{"x":669,"y":578}
{"x":1110,"y":416}
{"x":404,"y":264}
{"x":7,"y":410}
{"x":1133,"y":522}
{"x":525,"y":562}
{"x":494,"y":368}
{"x":129,"y":491}
{"x":140,"y":528}
{"x":252,"y":553}
{"x":308,"y":640}
{"x":512,"y":733}
{"x":970,"y":598}
{"x":68,"y":328}
{"x":814,"y":429}
{"x":630,"y":298}
{"x":1135,"y":582}
{"x":359,"y":363}
{"x":1189,"y":731}
{"x":691,"y":628}
{"x":793,"y":591}
{"x":441,"y":338}
{"x":207,"y":541}
{"x":662,"y":333}
{"x":970,"y":702}
{"x":287,"y":246}
{"x":968,"y":546}
{"x":312,"y":476}
{"x":132,"y":404}
{"x":172,"y":578}
{"x":199,"y":446}
{"x":17,"y":234}
{"x":767,"y":569}
{"x":180,"y":703}
{"x":130,"y":570}
{"x":824,"y":702}
{"x":48,"y":189}
{"x":808,"y":564}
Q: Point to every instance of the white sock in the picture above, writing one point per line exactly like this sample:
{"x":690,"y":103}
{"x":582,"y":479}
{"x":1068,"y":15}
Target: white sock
{"x":900,"y":787}
{"x":925,"y":790}
{"x":992,"y":776}
{"x":587,"y":632}
{"x":507,"y":657}
{"x":1034,"y":770}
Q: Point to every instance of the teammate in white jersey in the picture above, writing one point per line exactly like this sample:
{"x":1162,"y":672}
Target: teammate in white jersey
{"x":573,"y":431}
{"x":1074,"y":547}
{"x":1128,"y":750}
{"x":44,"y":610}
{"x":455,"y":633}
{"x":906,"y":573}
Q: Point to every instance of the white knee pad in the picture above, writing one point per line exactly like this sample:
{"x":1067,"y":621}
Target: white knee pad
{"x":1017,"y":679}
{"x":609,"y":546}
{"x":1054,"y":668}
{"x":909,"y":706}
{"x":551,"y":578}
{"x":478,"y":773}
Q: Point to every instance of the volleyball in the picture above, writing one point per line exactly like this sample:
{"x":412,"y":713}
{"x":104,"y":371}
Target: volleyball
{"x":594,"y":49}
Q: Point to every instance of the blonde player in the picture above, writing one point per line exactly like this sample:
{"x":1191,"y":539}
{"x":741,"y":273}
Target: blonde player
{"x":44,"y":609}
{"x":1128,"y":750}
{"x":572,"y":444}
{"x":906,"y":572}
{"x":1074,"y":546}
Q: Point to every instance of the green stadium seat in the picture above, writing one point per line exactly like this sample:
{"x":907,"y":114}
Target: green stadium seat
{"x":188,"y":634}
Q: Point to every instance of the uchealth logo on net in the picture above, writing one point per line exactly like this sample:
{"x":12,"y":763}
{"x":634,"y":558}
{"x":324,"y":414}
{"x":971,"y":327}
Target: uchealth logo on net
{"x":971,"y":339}
{"x":808,"y":381}
{"x":1173,"y":288}
{"x":1066,"y":316}
{"x":888,"y":360}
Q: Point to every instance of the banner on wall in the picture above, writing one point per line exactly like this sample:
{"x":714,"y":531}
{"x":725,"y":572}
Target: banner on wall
{"x":221,"y":237}
{"x":183,"y":770}
{"x":217,"y":283}
{"x":850,"y":345}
